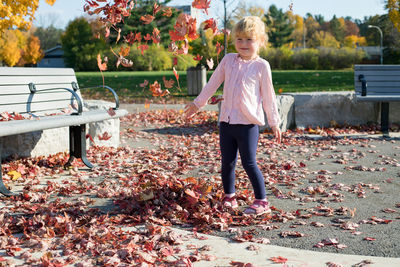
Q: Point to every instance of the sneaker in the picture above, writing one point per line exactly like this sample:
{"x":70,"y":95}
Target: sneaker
{"x":258,"y":207}
{"x":230,"y":202}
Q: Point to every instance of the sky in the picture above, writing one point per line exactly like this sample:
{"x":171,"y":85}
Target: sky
{"x":65,"y":10}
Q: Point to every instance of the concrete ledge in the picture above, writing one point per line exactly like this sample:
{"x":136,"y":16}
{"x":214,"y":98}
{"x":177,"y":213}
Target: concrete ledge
{"x":322,"y":108}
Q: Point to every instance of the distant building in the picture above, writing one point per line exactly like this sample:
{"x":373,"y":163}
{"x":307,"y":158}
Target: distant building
{"x":53,"y":58}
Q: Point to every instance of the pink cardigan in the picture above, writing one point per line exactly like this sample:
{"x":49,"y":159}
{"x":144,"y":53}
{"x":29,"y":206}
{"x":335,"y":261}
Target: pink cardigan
{"x":248,"y":89}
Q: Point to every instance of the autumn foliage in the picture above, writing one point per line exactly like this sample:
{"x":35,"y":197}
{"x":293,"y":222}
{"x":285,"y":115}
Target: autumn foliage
{"x":18,"y":13}
{"x":18,"y":48}
{"x":394,"y":12}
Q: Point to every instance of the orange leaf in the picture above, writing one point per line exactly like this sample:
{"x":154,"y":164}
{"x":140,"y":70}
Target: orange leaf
{"x":211,"y":24}
{"x":175,"y":73}
{"x":102,"y":66}
{"x":146,"y":19}
{"x":156,"y":8}
{"x":167,"y":12}
{"x":202,"y":4}
{"x":278,"y":259}
{"x":168,"y":83}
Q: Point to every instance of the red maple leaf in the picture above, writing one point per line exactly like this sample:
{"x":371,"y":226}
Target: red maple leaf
{"x":211,"y":24}
{"x":198,"y":57}
{"x":102,"y":66}
{"x":168,"y":83}
{"x":104,"y":136}
{"x":146,"y":19}
{"x":202,"y":4}
{"x":215,"y":100}
{"x":167,"y":12}
{"x":278,"y":259}
{"x":156,"y":8}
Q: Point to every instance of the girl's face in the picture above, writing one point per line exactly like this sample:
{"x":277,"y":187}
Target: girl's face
{"x":247,"y":46}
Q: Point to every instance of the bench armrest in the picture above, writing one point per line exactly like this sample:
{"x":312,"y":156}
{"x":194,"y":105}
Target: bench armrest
{"x":74,"y":94}
{"x":361,"y":78}
{"x":109,"y":89}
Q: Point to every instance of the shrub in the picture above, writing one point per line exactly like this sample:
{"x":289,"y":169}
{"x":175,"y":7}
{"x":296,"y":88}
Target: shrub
{"x":306,"y":59}
{"x":278,"y":58}
{"x":184,"y":61}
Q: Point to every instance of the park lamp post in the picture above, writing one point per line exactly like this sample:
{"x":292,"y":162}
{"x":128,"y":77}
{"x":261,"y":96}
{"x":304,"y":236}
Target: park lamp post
{"x":380,"y":31}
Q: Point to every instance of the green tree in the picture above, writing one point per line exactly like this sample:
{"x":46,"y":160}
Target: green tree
{"x":311,"y":26}
{"x":323,"y":39}
{"x":80,"y":46}
{"x":279,"y":26}
{"x":337,"y":28}
{"x":49,"y":37}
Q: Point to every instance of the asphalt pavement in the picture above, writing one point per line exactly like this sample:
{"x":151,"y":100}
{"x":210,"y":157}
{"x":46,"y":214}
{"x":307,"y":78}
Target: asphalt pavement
{"x":344,"y":194}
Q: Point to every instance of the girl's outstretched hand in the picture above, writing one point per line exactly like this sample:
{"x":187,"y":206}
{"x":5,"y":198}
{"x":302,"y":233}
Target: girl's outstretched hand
{"x":277,"y":133}
{"x":190,"y":110}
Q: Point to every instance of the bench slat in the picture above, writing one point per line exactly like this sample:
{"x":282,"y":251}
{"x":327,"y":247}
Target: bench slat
{"x":378,"y":72}
{"x":377,"y":84}
{"x":10,"y":80}
{"x":25,"y":126}
{"x":377,"y":98}
{"x":377,"y":67}
{"x":372,"y":78}
{"x":22,"y":71}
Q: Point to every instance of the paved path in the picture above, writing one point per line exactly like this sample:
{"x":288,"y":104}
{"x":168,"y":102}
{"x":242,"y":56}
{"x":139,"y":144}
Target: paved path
{"x":370,"y":160}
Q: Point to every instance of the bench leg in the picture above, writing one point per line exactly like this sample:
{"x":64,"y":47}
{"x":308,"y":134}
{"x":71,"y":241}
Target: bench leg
{"x":77,"y":145}
{"x":3,"y":188}
{"x":385,"y":118}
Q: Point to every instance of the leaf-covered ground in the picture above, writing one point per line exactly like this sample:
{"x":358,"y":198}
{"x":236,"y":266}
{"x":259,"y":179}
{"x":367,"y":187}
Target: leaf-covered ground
{"x":328,"y":194}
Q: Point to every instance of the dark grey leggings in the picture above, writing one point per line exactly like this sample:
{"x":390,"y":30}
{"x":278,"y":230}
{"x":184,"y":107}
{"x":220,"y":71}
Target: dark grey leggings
{"x":234,"y":137}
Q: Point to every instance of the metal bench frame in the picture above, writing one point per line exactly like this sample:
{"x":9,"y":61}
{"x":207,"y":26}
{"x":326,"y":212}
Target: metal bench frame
{"x":76,"y":121}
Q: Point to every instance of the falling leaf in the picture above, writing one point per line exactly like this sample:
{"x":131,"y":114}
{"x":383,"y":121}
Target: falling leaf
{"x":168,"y":83}
{"x":211,"y":24}
{"x":146,"y":19}
{"x":144,"y":84}
{"x":210,"y":63}
{"x":102,"y":66}
{"x":175,"y":73}
{"x":202,"y":4}
{"x":215,"y":100}
{"x":167,"y":12}
{"x":198,"y":57}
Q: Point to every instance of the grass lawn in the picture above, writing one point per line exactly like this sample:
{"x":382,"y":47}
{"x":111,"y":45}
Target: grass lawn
{"x":126,"y":84}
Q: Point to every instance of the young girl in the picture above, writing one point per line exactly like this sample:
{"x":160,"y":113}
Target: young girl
{"x":247,"y":91}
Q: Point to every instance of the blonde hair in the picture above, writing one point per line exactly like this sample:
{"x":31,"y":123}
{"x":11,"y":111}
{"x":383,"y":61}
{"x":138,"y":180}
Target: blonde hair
{"x":250,"y":26}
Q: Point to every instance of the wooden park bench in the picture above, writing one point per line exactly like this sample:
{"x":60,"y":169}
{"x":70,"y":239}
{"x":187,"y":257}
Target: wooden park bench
{"x":378,"y":83}
{"x":36,"y":99}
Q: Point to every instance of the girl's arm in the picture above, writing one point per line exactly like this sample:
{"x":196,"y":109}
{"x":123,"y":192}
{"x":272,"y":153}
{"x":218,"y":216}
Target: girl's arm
{"x":269,"y":101}
{"x":211,"y":87}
